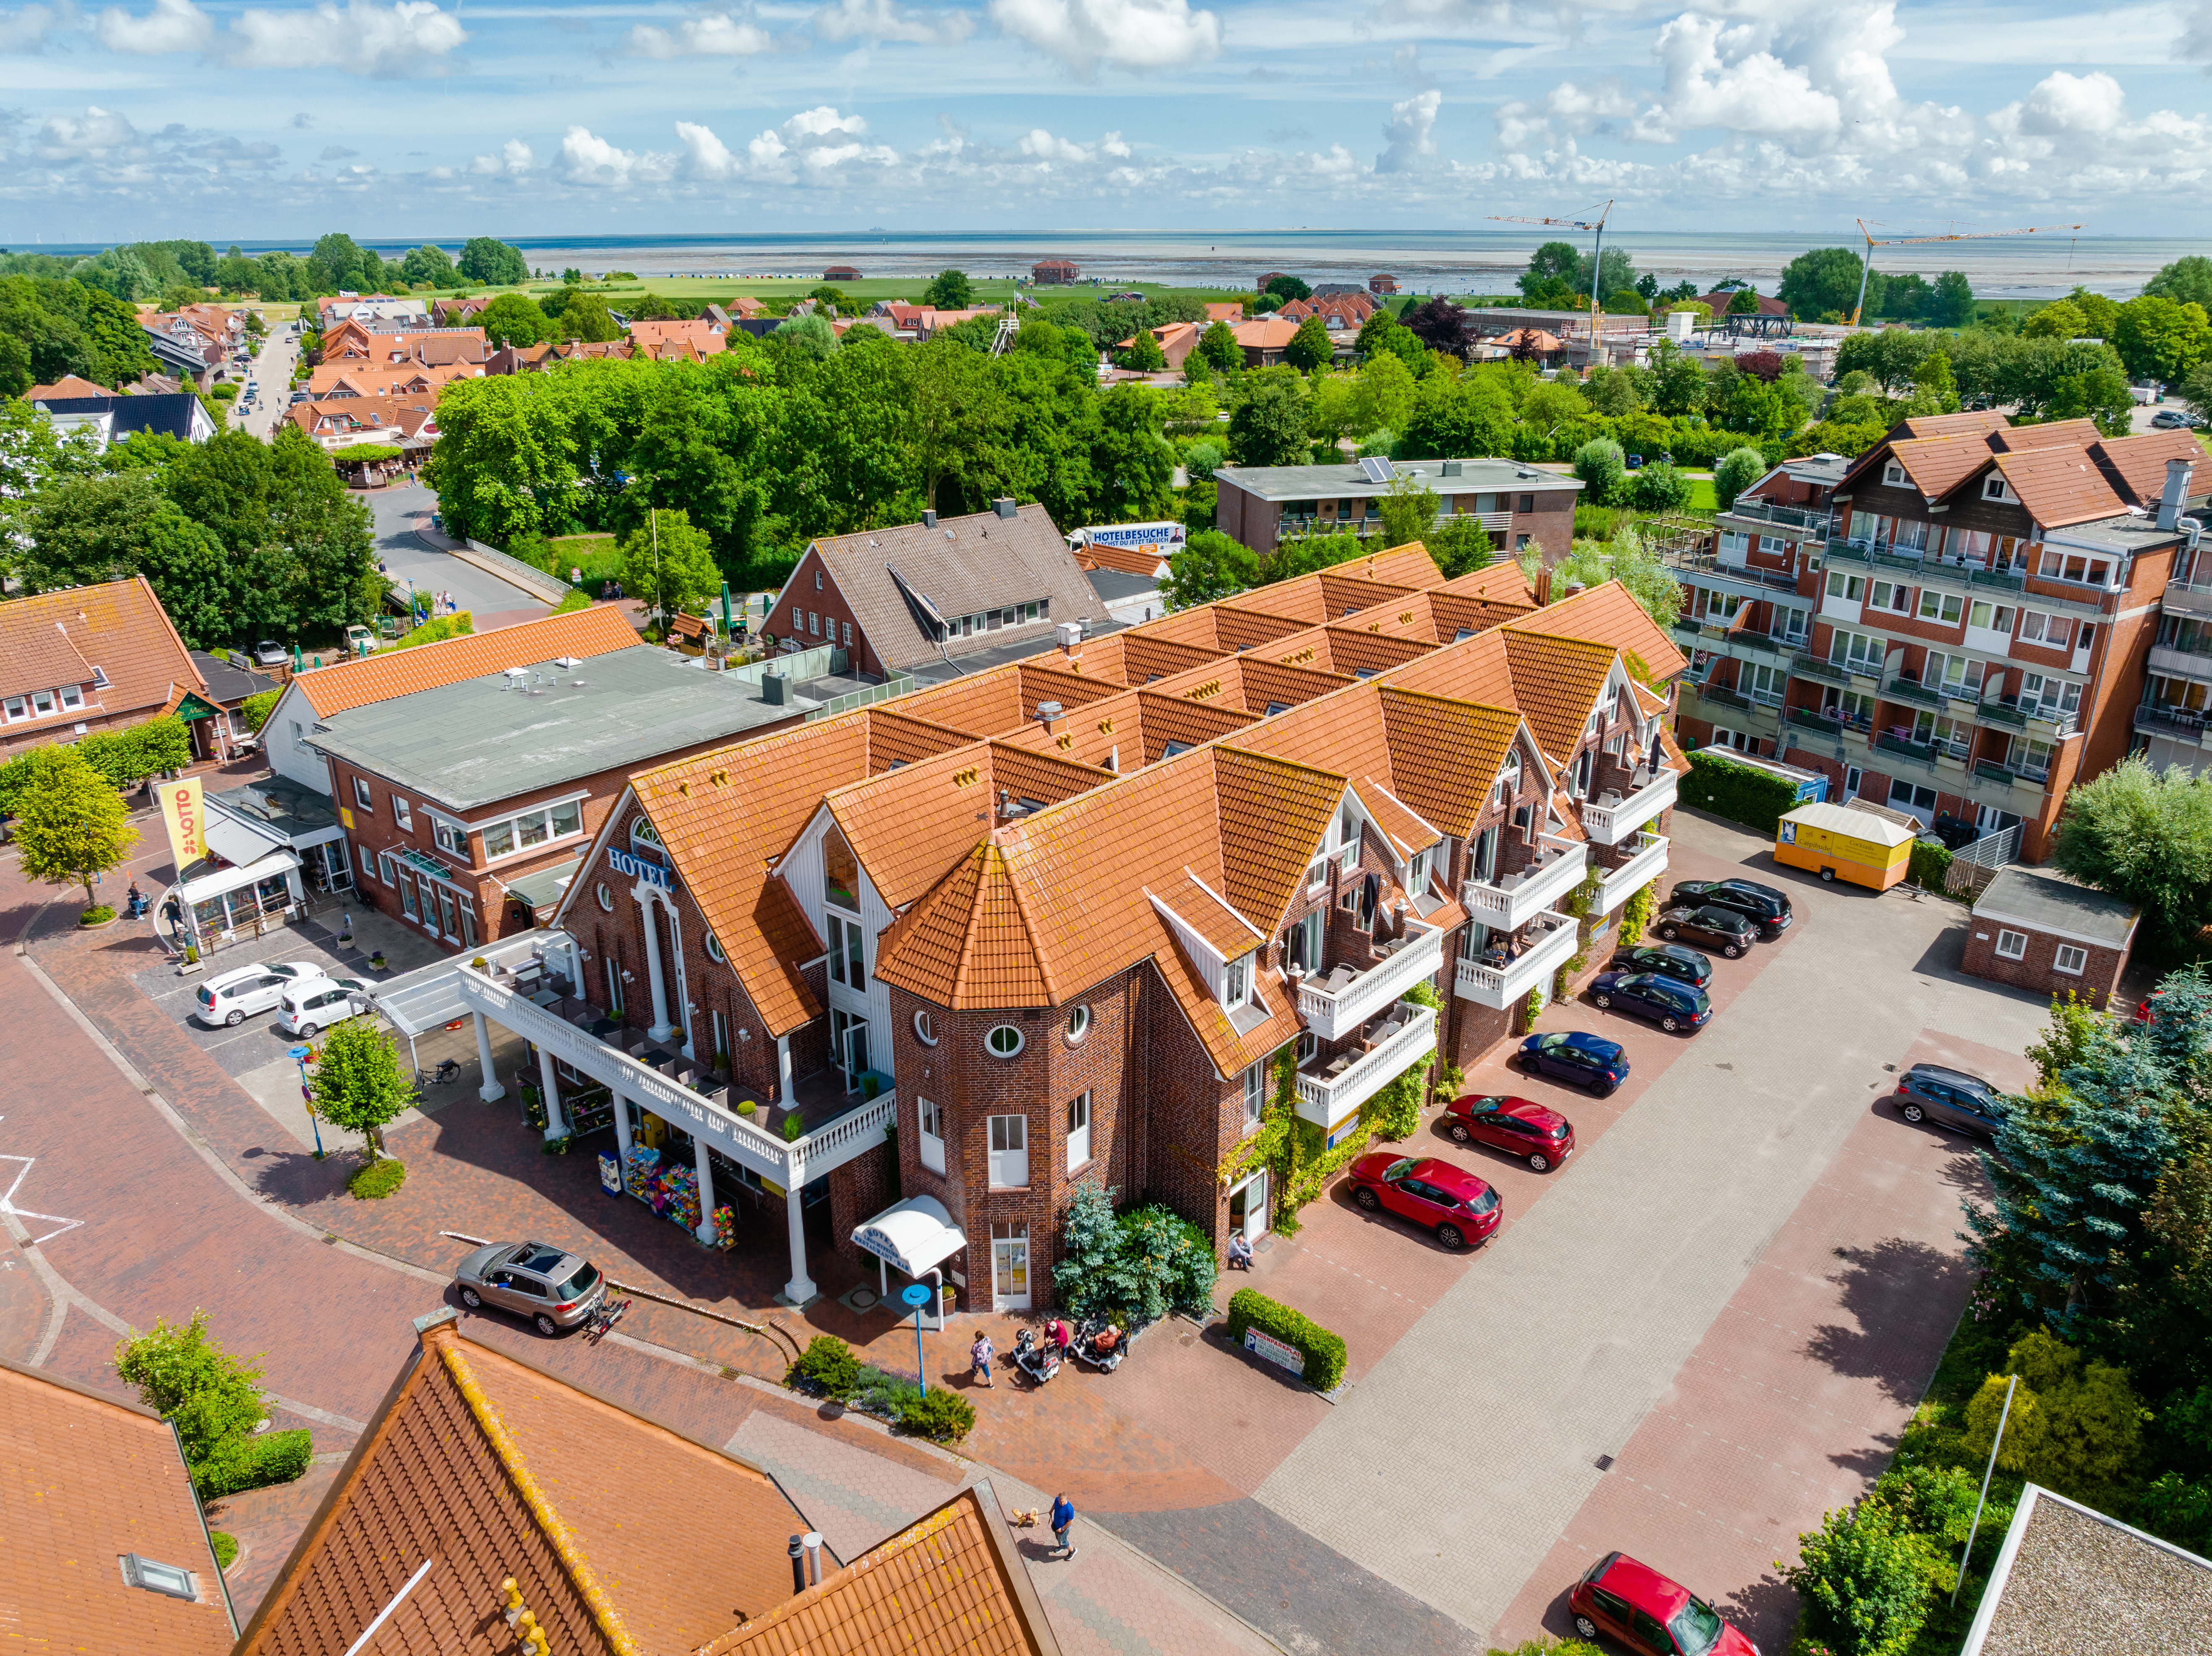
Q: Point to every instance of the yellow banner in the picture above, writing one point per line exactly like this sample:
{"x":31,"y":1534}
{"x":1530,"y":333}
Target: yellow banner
{"x":185,"y":817}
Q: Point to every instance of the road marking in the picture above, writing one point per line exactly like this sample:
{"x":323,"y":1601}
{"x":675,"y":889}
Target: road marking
{"x":8,"y":1206}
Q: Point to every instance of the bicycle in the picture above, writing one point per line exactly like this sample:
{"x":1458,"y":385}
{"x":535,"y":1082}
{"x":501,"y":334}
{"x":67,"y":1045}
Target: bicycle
{"x":609,"y":1313}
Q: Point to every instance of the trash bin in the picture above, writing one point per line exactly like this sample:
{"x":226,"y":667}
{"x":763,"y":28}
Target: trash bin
{"x":610,"y":1179}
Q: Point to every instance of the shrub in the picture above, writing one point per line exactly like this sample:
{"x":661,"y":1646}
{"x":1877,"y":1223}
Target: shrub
{"x":2073,"y":1428}
{"x":176,"y":1367}
{"x":378,"y":1179}
{"x":1861,"y":1579}
{"x":436,"y":630}
{"x":1088,"y":1240}
{"x":829,"y":1362}
{"x":2178,"y":1509}
{"x":1394,"y":1111}
{"x":256,"y":708}
{"x":245,"y":1463}
{"x":1929,"y":865}
{"x":942,"y":1416}
{"x":1550,"y":1647}
{"x":1205,"y":457}
{"x":878,"y":1393}
{"x":1737,"y":792}
{"x":1602,"y":467}
{"x":226,"y":1549}
{"x":1637,"y":914}
{"x":98,"y":914}
{"x":794,"y":1128}
{"x":1323,"y":1351}
{"x":1164,"y":1262}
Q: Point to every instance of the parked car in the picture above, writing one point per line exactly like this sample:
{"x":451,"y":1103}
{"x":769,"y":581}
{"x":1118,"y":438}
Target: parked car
{"x":308,"y":1008}
{"x":1635,"y":462}
{"x":231,"y":998}
{"x":555,"y":1288}
{"x":1645,"y":1611}
{"x":1587,"y":1060}
{"x":1763,"y":904}
{"x":1450,"y":1200}
{"x":1541,"y":1137}
{"x":1670,"y":960}
{"x":2171,"y":420}
{"x":1669,"y":1004}
{"x":270,"y":653}
{"x":1952,"y":1097}
{"x":1715,"y":927}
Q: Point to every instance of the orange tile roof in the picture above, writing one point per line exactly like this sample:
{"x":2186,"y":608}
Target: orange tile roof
{"x":1134,"y":727}
{"x":1206,"y":913}
{"x":950,"y":1584}
{"x":349,"y":685}
{"x":491,"y":1469}
{"x":2050,"y":433}
{"x":999,"y":699}
{"x":2137,"y":464}
{"x":1556,"y":683}
{"x":2060,"y":485}
{"x":1130,"y":560}
{"x":1935,"y":464}
{"x":1251,"y":683}
{"x":84,"y":1480}
{"x":1609,"y":615}
{"x":1499,"y":583}
{"x":1978,"y":423}
{"x":118,"y":626}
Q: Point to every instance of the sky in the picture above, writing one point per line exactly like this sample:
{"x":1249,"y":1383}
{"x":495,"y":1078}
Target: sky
{"x":450,"y":118}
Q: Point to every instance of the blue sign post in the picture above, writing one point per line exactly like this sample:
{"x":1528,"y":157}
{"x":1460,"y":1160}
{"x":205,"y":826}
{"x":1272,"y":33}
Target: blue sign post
{"x":917,"y":1295}
{"x":299,"y":1055}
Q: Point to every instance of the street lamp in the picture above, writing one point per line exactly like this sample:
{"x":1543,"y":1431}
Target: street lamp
{"x":917,"y":1295}
{"x":300,"y":1055}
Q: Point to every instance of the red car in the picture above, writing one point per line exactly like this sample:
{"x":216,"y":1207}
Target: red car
{"x":1541,"y":1137}
{"x":1641,"y":1608}
{"x":1450,"y":1201}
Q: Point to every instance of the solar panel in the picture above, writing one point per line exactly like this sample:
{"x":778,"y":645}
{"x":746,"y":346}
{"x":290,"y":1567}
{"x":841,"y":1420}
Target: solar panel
{"x":1375,"y":468}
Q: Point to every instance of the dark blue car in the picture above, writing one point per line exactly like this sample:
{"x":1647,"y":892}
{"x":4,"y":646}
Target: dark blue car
{"x":1669,"y":1004}
{"x":1586,"y":1060}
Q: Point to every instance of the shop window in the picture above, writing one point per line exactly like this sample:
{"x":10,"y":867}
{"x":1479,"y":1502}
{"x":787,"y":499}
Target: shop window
{"x":1078,"y":1023}
{"x":2071,"y":960}
{"x":933,"y":1134}
{"x":360,"y":795}
{"x":1079,"y":1131}
{"x":2011,"y":945}
{"x":1010,"y":1152}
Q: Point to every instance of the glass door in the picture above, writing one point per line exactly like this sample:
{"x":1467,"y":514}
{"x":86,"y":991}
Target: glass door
{"x":1010,"y":1266}
{"x":1248,"y":1208}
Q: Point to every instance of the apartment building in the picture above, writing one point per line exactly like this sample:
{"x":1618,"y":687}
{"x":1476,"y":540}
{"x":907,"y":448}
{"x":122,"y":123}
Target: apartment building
{"x":1052,"y":921}
{"x":2171,"y":723}
{"x":1518,"y":505}
{"x":1956,"y":623}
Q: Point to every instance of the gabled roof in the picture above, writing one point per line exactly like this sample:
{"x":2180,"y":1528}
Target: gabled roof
{"x":1935,"y":464}
{"x":2049,"y":433}
{"x":1979,"y":422}
{"x":84,"y":1480}
{"x":491,"y":1469}
{"x":1251,"y":683}
{"x":2136,"y":465}
{"x":2060,"y":485}
{"x":1134,"y":727}
{"x":964,"y":566}
{"x":999,"y":699}
{"x":1609,"y":615}
{"x":349,"y":684}
{"x":119,"y":626}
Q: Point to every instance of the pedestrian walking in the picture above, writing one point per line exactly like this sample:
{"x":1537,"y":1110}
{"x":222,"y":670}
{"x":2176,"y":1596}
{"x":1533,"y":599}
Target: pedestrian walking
{"x":979,"y":1359}
{"x":1063,"y":1519}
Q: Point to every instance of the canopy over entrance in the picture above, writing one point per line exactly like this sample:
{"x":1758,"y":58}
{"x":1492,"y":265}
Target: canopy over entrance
{"x":913,"y":1235}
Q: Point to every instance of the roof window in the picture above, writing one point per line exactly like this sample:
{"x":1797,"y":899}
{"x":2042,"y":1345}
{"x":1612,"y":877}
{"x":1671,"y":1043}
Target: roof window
{"x":1893,"y":475}
{"x":171,"y":1579}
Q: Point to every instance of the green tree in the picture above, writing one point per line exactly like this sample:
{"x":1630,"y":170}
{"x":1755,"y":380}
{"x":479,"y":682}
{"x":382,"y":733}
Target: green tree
{"x":1461,"y":546}
{"x":1553,"y":264}
{"x":2161,"y":339}
{"x":1288,"y":287}
{"x":1745,"y":303}
{"x":1861,"y":1579}
{"x":1219,"y":347}
{"x":670,"y":565}
{"x":1462,"y":415}
{"x":2075,"y":1428}
{"x":2059,"y":319}
{"x":586,"y":317}
{"x":2187,"y":281}
{"x":1659,"y":488}
{"x":1628,"y":559}
{"x":1736,"y":471}
{"x":128,"y":756}
{"x":1382,"y":394}
{"x":1268,"y":427}
{"x":187,"y":1378}
{"x":1827,"y":279}
{"x":1130,"y":457}
{"x":949,"y":290}
{"x":2144,"y":835}
{"x":1626,"y":302}
{"x":493,"y":263}
{"x":1310,"y":347}
{"x":1677,"y":382}
{"x":1952,"y":304}
{"x":812,"y":336}
{"x":429,"y":266}
{"x":70,"y":823}
{"x":1211,"y":567}
{"x":1143,"y":353}
{"x":514,"y":319}
{"x":1090,"y":1239}
{"x":1603,"y":470}
{"x":1409,"y":510}
{"x":357,"y":1083}
{"x":83,"y":530}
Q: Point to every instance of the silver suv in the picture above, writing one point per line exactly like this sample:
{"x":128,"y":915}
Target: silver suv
{"x":555,"y":1289}
{"x":1952,"y":1098}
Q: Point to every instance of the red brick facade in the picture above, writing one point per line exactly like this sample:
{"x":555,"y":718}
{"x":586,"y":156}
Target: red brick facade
{"x":811,"y":611}
{"x":2036,"y":968}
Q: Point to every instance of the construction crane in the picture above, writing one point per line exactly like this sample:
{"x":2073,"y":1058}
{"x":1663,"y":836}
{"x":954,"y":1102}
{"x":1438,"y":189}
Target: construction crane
{"x":1872,"y":242}
{"x":1597,"y":255}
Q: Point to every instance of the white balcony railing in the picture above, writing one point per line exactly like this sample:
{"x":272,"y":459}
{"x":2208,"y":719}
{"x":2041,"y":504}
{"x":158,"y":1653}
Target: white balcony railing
{"x":1334,"y":1006}
{"x":1329,"y":1093}
{"x":1499,"y":986}
{"x":1647,"y":864}
{"x":1610,"y":819}
{"x":1507,"y":904}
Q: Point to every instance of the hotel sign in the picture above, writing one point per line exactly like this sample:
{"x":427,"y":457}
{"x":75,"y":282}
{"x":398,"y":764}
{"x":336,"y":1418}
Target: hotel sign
{"x":633,"y":867}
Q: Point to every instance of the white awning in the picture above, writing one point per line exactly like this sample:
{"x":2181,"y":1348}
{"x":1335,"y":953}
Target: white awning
{"x":230,"y":879}
{"x":914,"y":1234}
{"x":237,"y":840}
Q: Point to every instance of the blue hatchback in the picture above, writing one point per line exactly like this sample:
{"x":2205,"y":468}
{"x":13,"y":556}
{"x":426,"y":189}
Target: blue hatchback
{"x":1587,"y":1060}
{"x":1669,"y":1004}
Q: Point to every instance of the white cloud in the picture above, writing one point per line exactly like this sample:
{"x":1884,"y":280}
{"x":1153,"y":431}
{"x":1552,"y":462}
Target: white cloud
{"x":404,"y":38}
{"x":1132,"y":34}
{"x":97,"y":132}
{"x":718,"y":35}
{"x":590,"y":160}
{"x":884,"y":20}
{"x":26,"y":28}
{"x":1411,"y":132}
{"x":172,"y":26}
{"x":513,"y":159}
{"x":705,"y":155}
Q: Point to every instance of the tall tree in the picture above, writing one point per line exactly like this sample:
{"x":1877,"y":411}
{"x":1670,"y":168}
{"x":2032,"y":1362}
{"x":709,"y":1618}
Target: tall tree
{"x":493,"y":263}
{"x":949,"y":290}
{"x":670,"y":565}
{"x":2145,"y":836}
{"x":70,"y":823}
{"x":514,"y":319}
{"x":429,"y":266}
{"x":1311,"y":347}
{"x":1268,"y":427}
{"x":357,"y":1083}
{"x":2187,"y":280}
{"x":1443,"y":326}
{"x":1827,"y":280}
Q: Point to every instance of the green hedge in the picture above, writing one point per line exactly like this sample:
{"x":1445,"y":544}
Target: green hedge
{"x":1324,"y":1351}
{"x":378,"y":1179}
{"x":1929,"y":865}
{"x":250,"y":1463}
{"x":941,"y":1416}
{"x":1738,"y":792}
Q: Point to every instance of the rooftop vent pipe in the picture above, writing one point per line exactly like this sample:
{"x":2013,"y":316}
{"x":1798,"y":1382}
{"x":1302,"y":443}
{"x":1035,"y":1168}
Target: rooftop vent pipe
{"x":1047,"y":711}
{"x":928,"y":519}
{"x":1005,"y":505}
{"x":2177,"y":473}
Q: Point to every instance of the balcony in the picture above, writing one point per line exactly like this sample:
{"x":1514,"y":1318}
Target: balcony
{"x":2189,"y":597}
{"x":1792,"y":517}
{"x":1330,"y":1091}
{"x":1707,"y":568}
{"x":1610,"y":818}
{"x":1920,"y":753}
{"x":2177,"y":723}
{"x":2180,"y":664}
{"x":1912,"y":690}
{"x":1812,"y":719}
{"x":1493,"y":981}
{"x":1335,"y":1006}
{"x":1510,"y":902}
{"x":1805,"y":664}
{"x":2009,"y":714}
{"x":1645,"y":866}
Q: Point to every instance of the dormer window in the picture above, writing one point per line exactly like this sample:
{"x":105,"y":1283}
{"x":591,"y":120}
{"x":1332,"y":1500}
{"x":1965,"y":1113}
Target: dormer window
{"x":1237,"y":982}
{"x":841,"y":872}
{"x":1417,"y":873}
{"x":1994,"y":487}
{"x":1893,"y":475}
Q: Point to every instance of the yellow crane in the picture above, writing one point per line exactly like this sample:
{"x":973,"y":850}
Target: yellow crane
{"x":1872,"y":242}
{"x":1597,"y":251}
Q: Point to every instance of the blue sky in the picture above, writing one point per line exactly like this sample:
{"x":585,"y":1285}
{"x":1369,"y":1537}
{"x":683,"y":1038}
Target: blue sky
{"x":448,"y":117}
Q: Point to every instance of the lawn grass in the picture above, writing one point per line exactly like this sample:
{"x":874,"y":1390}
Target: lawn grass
{"x":595,"y":555}
{"x":1702,"y":498}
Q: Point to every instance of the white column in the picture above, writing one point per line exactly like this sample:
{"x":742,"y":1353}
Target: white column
{"x":783,"y":1070}
{"x":556,"y":1120}
{"x":661,"y":1028}
{"x":488,"y":1087}
{"x":800,"y":1288}
{"x":622,"y":1129}
{"x":706,"y":1232}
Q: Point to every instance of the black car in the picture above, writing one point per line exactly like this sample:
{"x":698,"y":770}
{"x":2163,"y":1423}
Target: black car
{"x":1715,"y":927}
{"x":1576,"y":1056}
{"x":1668,"y":960}
{"x":1929,"y":1092}
{"x":1669,"y":1004}
{"x":1766,"y":908}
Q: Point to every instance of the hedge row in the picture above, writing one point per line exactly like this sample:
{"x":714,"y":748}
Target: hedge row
{"x":1323,"y":1351}
{"x":1741,"y":794}
{"x":245,"y":1463}
{"x":1929,"y":865}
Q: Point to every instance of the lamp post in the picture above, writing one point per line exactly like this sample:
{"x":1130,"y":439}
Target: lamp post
{"x":299,"y":1056}
{"x":916,"y":1296}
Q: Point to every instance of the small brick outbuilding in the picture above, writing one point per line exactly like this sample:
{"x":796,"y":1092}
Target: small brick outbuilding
{"x":2036,"y":931}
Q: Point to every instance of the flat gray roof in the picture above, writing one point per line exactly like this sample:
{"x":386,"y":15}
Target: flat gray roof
{"x":2049,"y":904}
{"x":478,"y":742}
{"x":1115,"y":584}
{"x":2123,"y":533}
{"x":2069,"y":1579}
{"x":285,"y":806}
{"x":1346,"y":480}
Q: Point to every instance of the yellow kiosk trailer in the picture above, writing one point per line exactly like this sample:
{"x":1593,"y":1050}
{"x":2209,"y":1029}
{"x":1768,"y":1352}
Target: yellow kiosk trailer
{"x":1837,"y":843}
